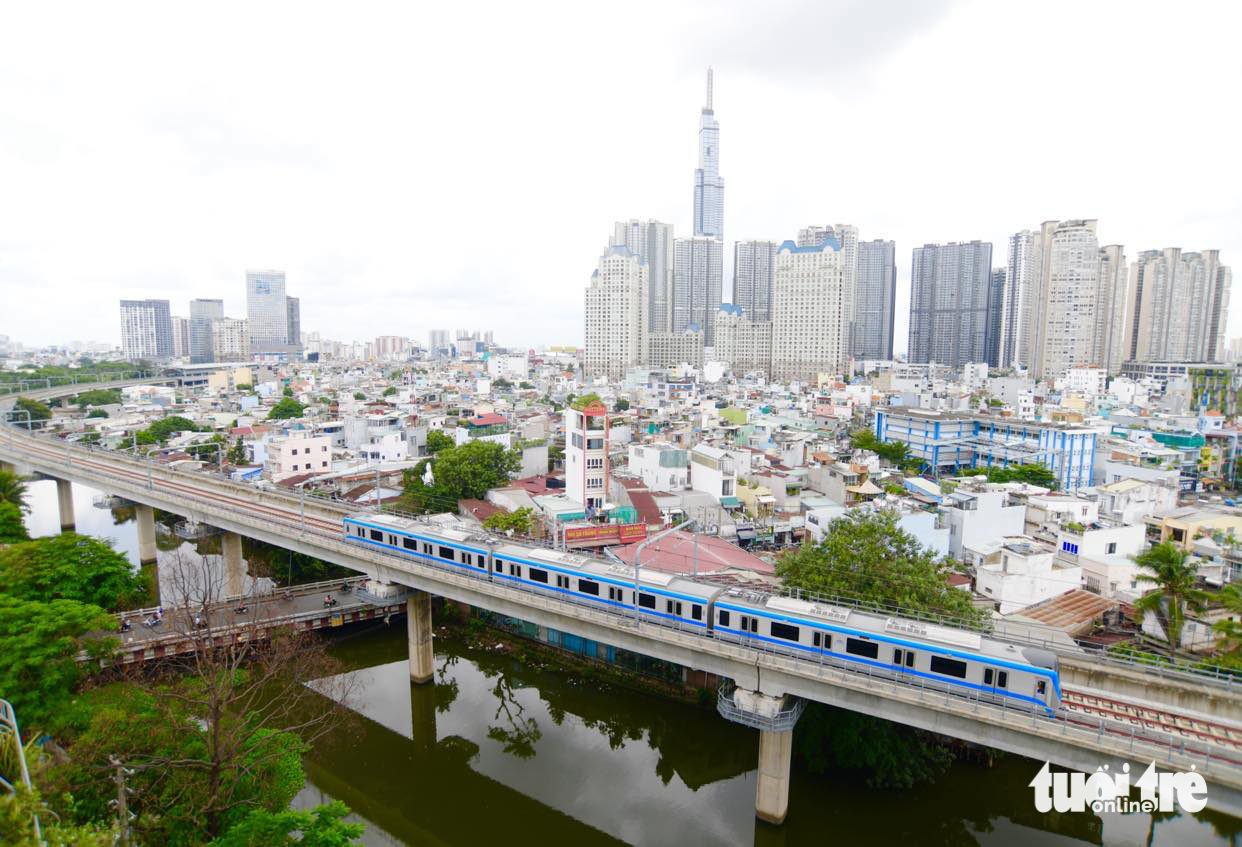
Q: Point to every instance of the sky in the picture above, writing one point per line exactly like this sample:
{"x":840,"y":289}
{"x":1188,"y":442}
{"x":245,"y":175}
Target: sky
{"x":415,"y":166}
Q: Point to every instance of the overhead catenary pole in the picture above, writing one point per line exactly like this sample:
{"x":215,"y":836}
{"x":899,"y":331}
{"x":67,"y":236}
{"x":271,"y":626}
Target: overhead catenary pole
{"x":638,"y":558}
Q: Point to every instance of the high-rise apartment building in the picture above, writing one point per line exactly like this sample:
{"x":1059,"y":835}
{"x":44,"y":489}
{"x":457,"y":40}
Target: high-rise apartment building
{"x":996,"y":312}
{"x":1178,"y":303}
{"x":438,"y":340}
{"x":202,"y":313}
{"x":810,"y":308}
{"x":753,"y":262}
{"x":274,"y":318}
{"x":181,"y":336}
{"x":146,"y":329}
{"x":949,"y":303}
{"x":708,"y":184}
{"x":875,"y":293}
{"x":1111,"y":301}
{"x":230,"y":340}
{"x":651,"y":241}
{"x":1021,"y":281}
{"x":1063,"y":308}
{"x":744,"y":343}
{"x":293,"y":311}
{"x":697,"y":273}
{"x":814,"y":235}
{"x":671,"y":349}
{"x":615,"y":314}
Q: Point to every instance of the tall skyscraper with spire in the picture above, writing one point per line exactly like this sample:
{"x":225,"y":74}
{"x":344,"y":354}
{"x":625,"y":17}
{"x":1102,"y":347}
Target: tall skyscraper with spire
{"x":708,"y":184}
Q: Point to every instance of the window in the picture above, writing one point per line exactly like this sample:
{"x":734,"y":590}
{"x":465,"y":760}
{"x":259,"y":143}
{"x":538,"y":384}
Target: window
{"x":948,"y":667}
{"x":539,"y":575}
{"x":1069,"y":547}
{"x":785,"y":631}
{"x":1002,"y":679}
{"x":673,"y":607}
{"x":647,"y":601}
{"x":577,"y":440}
{"x":595,"y":444}
{"x":427,"y":548}
{"x":585,"y":586}
{"x":295,"y":451}
{"x":515,"y":569}
{"x":724,"y":618}
{"x":1111,"y":548}
{"x":858,"y":647}
{"x":749,"y":623}
{"x":696,"y":612}
{"x":1041,"y":687}
{"x":562,"y":581}
{"x":376,"y":535}
{"x":616,"y":594}
{"x":987,"y":676}
{"x":482,"y":560}
{"x":820,"y":639}
{"x":446,"y":553}
{"x":358,"y":530}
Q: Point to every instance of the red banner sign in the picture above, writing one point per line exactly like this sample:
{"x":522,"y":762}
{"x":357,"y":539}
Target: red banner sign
{"x":619,"y":533}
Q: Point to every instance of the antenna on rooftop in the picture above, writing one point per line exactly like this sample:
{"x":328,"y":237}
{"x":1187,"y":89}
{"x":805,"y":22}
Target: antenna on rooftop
{"x":709,"y":88}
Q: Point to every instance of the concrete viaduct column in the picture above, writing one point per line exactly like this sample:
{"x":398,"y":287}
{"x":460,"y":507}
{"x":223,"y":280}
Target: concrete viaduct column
{"x":772,"y":792}
{"x":146,"y":533}
{"x":64,"y":495}
{"x":234,"y":564}
{"x":418,"y":623}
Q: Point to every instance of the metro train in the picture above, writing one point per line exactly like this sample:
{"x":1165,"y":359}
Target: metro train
{"x":902,"y":650}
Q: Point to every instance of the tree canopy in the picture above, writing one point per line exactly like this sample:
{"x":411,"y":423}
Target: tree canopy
{"x":1033,"y":474}
{"x":520,"y":522}
{"x":98,"y":397}
{"x":160,"y":431}
{"x":437,"y":440}
{"x":13,"y":489}
{"x":323,"y":826}
{"x":1176,"y":578}
{"x":12,"y":527}
{"x":38,"y":411}
{"x":894,"y":452}
{"x":69,"y":566}
{"x":390,"y":390}
{"x":465,"y":472}
{"x":285,"y":409}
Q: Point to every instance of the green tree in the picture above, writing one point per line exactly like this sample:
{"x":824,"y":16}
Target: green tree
{"x":12,"y":528}
{"x":526,"y":386}
{"x":358,"y":395}
{"x":69,"y":566}
{"x":288,"y":392}
{"x":243,"y":386}
{"x":470,"y":470}
{"x":437,"y":440}
{"x":502,"y":383}
{"x":99,"y":397}
{"x":556,"y":456}
{"x":97,"y":413}
{"x":1176,"y":577}
{"x":521,"y":522}
{"x":38,"y":411}
{"x":163,"y":429}
{"x":621,"y":405}
{"x":285,"y":409}
{"x":390,"y":390}
{"x":13,"y":489}
{"x":1230,"y":629}
{"x":237,"y":453}
{"x":322,"y":826}
{"x":1034,"y":474}
{"x":17,"y":813}
{"x":38,"y":665}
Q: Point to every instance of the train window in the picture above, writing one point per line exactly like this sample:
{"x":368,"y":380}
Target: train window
{"x":898,"y":655}
{"x":696,"y":612}
{"x":1002,"y":679}
{"x":409,"y":543}
{"x":515,"y":569}
{"x":858,"y":647}
{"x":749,"y":623}
{"x":482,"y":560}
{"x":376,"y":535}
{"x":724,"y":618}
{"x":538,"y":575}
{"x":426,"y":548}
{"x":785,"y":631}
{"x":647,"y":601}
{"x":615,"y":594}
{"x":585,"y":586}
{"x":1041,"y":687}
{"x":673,"y":607}
{"x":358,"y":530}
{"x":909,"y":658}
{"x":948,"y":667}
{"x":987,"y":676}
{"x":818,"y":640}
{"x":446,"y":553}
{"x":392,"y":540}
{"x":562,"y":581}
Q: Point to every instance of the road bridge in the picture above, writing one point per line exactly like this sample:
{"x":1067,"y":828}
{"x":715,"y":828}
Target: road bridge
{"x":1113,"y":727}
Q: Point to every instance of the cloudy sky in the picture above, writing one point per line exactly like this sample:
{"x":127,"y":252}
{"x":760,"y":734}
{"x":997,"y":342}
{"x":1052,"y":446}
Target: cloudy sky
{"x":459,"y":165}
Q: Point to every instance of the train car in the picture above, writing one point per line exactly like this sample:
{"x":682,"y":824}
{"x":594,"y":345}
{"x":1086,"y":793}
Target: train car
{"x":904,"y":650}
{"x":418,"y":540}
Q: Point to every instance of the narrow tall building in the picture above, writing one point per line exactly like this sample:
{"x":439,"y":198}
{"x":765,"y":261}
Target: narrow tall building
{"x":697,"y":272}
{"x":1111,"y":300}
{"x":949,"y":303}
{"x":293,"y":314}
{"x":146,"y":329}
{"x":875,"y":293}
{"x":1063,"y":308}
{"x":753,"y":262}
{"x":230,"y":340}
{"x":615,"y":317}
{"x":996,"y":316}
{"x":1021,"y":281}
{"x":652,"y":241}
{"x":708,"y":184}
{"x":810,"y":308}
{"x":181,"y":337}
{"x":202,"y":313}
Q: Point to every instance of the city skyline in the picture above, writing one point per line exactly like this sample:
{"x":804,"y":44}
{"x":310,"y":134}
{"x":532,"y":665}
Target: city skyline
{"x":195,"y":154}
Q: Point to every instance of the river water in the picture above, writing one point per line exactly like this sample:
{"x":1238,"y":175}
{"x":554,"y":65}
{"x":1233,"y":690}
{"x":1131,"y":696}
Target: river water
{"x":507,"y":752}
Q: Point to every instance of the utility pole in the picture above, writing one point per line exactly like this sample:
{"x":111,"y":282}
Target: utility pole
{"x":121,"y":802}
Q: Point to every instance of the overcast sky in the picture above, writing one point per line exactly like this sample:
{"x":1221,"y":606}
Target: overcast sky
{"x":459,"y":165}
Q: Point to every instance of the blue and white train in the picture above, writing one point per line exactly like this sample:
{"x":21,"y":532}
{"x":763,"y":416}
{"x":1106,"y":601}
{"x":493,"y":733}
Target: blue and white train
{"x":900,"y":649}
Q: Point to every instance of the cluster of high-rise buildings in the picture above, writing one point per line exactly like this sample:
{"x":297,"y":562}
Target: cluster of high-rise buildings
{"x":807,"y":306}
{"x":271,"y":330}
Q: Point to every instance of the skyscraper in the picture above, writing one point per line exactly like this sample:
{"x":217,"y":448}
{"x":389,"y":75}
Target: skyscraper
{"x":181,"y":336}
{"x":708,"y":184}
{"x":614,"y":314}
{"x":810,"y":305}
{"x":293,"y":311}
{"x":1021,"y":279}
{"x":752,"y":278}
{"x":697,"y":272}
{"x":1110,"y":309}
{"x":146,"y":329}
{"x":1177,"y":306}
{"x":875,"y":292}
{"x":996,"y":311}
{"x":202,"y":313}
{"x":652,"y":241}
{"x":1063,"y":306}
{"x":949,"y":303}
{"x":273,"y":317}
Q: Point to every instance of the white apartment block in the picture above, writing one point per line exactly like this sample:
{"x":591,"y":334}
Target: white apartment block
{"x":508,"y":367}
{"x":977,"y":519}
{"x":661,"y":467}
{"x":1111,"y":301}
{"x":586,"y":455}
{"x":672,"y":349}
{"x":181,"y":336}
{"x":713,"y":472}
{"x":1021,"y":282}
{"x":1178,"y":304}
{"x":1063,"y":334}
{"x":1084,"y":381}
{"x":810,"y":309}
{"x":615,"y":314}
{"x":745,"y":344}
{"x":298,"y":454}
{"x":230,"y":340}
{"x":651,"y":241}
{"x":1020,"y":572}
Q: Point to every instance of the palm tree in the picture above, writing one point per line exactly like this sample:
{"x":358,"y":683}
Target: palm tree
{"x":13,"y":489}
{"x":1229,"y":629}
{"x":1177,"y":581}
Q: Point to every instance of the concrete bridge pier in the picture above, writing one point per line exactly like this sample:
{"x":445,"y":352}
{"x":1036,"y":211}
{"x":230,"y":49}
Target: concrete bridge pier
{"x":234,"y":564}
{"x":64,"y":496}
{"x":145,"y":516}
{"x":418,"y":624}
{"x":772,"y":792}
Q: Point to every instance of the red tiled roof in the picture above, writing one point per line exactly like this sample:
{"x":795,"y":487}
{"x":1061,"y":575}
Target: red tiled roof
{"x":490,"y":419}
{"x":674,"y":553}
{"x":643,"y":502}
{"x":480,"y":510}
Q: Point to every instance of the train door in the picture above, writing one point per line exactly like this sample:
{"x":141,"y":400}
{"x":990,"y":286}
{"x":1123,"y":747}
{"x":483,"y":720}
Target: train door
{"x":996,"y":681}
{"x":903,"y":660}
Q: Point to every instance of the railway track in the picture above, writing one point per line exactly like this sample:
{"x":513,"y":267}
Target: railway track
{"x":1142,"y":716}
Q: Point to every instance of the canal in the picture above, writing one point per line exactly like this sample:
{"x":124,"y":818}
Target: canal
{"x":508,"y":751}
